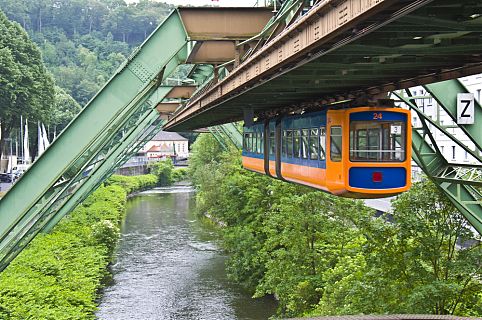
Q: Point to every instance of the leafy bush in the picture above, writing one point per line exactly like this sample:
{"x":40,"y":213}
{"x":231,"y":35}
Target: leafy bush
{"x":179,"y":174}
{"x":134,"y":183}
{"x":59,"y":274}
{"x":163,"y":170}
{"x":324,"y":255}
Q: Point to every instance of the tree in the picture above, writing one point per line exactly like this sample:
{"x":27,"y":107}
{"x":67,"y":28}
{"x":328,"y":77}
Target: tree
{"x":324,"y":255}
{"x":424,"y":259}
{"x":443,"y":274}
{"x":27,"y":87}
{"x":65,"y":109}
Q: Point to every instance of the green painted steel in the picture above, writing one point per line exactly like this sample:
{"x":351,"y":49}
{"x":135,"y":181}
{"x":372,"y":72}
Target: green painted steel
{"x":445,"y":93}
{"x":217,"y":134}
{"x":455,"y":180}
{"x":122,"y":149}
{"x":61,"y":170}
{"x":232,"y":132}
{"x":103,"y":171}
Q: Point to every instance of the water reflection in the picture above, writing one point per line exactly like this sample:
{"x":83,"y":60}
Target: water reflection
{"x":170,"y":267}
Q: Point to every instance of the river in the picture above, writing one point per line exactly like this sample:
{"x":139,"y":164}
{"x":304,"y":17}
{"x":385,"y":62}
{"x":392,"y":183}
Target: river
{"x":169,"y":266}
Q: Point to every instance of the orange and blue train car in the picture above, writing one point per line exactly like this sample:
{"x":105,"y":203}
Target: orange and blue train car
{"x":362,"y":152}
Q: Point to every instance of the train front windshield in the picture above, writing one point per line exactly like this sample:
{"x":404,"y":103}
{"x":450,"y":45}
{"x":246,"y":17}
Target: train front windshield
{"x":377,"y":141}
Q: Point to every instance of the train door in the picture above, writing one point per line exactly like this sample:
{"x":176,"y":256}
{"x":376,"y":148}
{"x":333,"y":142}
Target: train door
{"x":335,"y":142}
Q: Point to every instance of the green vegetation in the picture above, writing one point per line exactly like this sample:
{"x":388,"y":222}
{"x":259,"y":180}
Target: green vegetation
{"x":81,"y":43}
{"x":84,"y":41}
{"x":58,"y":276}
{"x":324,"y":255}
{"x":166,"y":173}
{"x":135,"y":183}
{"x":26,"y":89}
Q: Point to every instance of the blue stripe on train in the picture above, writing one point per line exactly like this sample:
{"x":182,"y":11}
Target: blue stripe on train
{"x":298,"y":161}
{"x":391,"y":178}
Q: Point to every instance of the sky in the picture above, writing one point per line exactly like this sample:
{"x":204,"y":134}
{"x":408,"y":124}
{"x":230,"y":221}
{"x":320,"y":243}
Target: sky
{"x":221,"y":3}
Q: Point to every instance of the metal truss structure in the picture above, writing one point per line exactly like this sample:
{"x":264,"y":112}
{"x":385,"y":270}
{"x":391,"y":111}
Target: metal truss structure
{"x":100,"y":139}
{"x":227,"y":133}
{"x":462,"y":183}
{"x":248,"y":61}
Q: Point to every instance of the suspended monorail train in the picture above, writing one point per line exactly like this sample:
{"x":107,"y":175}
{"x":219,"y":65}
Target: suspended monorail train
{"x":362,"y":152}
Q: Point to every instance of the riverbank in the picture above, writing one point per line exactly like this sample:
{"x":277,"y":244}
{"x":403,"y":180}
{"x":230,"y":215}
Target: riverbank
{"x":58,"y":276}
{"x":169,"y":265}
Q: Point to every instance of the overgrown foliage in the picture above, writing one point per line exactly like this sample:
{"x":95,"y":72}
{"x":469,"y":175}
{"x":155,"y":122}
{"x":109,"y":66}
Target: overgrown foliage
{"x":58,"y":276}
{"x":84,"y":41}
{"x":325,"y":255}
{"x":135,"y":183}
{"x":166,"y":173}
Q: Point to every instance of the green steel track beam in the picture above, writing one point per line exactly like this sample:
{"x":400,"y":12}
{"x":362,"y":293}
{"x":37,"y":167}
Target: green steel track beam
{"x":218,"y":136}
{"x":54,"y":177}
{"x":106,"y":169}
{"x":232,"y":132}
{"x":445,"y":93}
{"x":456,"y":181}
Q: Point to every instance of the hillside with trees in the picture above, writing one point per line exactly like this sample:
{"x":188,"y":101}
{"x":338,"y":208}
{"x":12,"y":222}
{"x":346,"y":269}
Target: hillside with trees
{"x":26,"y":88}
{"x":60,"y":53}
{"x":84,"y":41}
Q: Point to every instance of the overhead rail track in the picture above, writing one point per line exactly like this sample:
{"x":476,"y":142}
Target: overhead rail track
{"x":345,"y":50}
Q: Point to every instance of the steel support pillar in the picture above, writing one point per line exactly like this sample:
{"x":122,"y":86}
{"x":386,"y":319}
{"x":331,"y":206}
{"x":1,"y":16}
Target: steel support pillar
{"x":457,"y":181}
{"x":86,"y":142}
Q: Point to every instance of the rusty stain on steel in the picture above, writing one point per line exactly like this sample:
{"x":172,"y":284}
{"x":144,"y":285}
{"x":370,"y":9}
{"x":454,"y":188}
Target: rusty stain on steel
{"x":207,"y":23}
{"x":181,"y":92}
{"x":212,"y":52}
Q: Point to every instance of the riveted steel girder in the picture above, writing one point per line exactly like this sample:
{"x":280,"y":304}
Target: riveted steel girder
{"x":337,"y":52}
{"x":232,"y":132}
{"x":457,"y":181}
{"x":87,"y":142}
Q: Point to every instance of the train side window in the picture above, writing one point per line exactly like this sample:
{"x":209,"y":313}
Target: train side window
{"x":260,"y":143}
{"x":304,"y":143}
{"x":284,"y":151}
{"x":253,"y":141}
{"x":271,"y":143}
{"x":314,"y":144}
{"x":289,"y":143}
{"x":296,"y":143}
{"x":245,"y":141}
{"x":374,"y":143}
{"x":322,"y":143}
{"x":336,"y":143}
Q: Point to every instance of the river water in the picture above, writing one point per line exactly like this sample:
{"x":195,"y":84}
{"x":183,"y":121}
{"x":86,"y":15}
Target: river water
{"x":169,"y":266}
